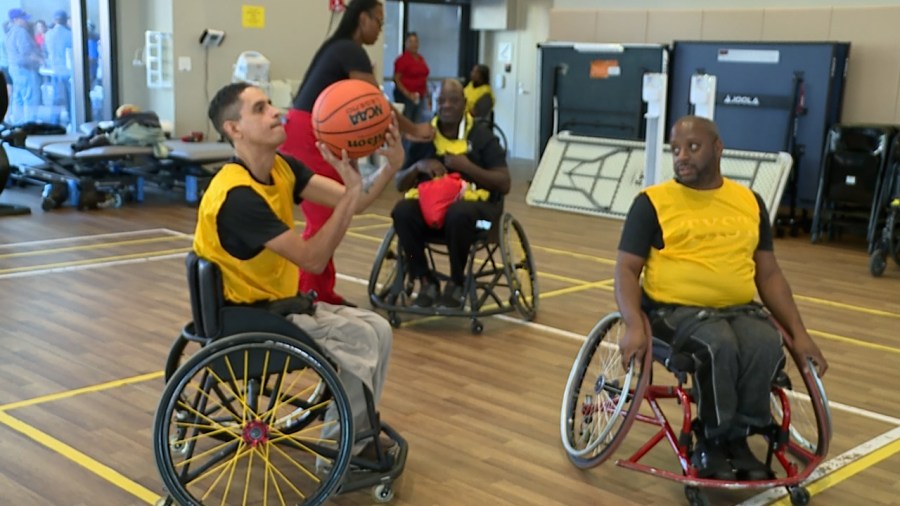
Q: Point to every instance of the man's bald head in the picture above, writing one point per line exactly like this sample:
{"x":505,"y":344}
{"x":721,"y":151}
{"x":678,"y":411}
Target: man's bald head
{"x":452,"y":86}
{"x":698,"y":123}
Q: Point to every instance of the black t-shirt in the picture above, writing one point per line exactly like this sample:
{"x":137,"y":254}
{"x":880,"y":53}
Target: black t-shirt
{"x":246,"y":222}
{"x":485,"y":152}
{"x":333,"y":63}
{"x":642,"y":230}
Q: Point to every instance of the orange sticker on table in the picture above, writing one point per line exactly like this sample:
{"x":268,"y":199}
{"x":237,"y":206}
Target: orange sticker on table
{"x":601,"y":69}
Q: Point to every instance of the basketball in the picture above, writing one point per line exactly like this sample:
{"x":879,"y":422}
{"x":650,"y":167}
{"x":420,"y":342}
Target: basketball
{"x":352,"y":115}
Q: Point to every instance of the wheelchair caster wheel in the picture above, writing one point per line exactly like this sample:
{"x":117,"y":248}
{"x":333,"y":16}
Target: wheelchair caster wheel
{"x":382,"y":493}
{"x":394,"y":320}
{"x":799,"y":496}
{"x":877,"y":264}
{"x":477,"y":327}
{"x":695,"y":496}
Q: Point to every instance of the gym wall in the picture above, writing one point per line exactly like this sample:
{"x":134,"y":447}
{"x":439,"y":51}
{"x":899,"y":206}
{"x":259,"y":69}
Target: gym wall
{"x":873,"y":82}
{"x":292,"y":34}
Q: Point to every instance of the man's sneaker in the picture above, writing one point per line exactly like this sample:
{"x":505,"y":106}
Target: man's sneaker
{"x":711,"y":460}
{"x":428,"y":294}
{"x":748,"y":467}
{"x":453,"y":296}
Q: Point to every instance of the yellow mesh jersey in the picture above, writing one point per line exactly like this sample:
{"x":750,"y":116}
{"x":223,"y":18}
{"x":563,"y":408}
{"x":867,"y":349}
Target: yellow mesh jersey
{"x":460,"y":145}
{"x":709,"y":238}
{"x":474,"y":93}
{"x":267,"y":276}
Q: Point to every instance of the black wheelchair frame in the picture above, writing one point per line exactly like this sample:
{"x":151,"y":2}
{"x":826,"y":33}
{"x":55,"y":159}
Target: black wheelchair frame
{"x":508,"y":284}
{"x":240,"y":420}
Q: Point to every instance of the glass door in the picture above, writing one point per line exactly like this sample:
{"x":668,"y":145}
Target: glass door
{"x":52,"y":57}
{"x":445,"y":40}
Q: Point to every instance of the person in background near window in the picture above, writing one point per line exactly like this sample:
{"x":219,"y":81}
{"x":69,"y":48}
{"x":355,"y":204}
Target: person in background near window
{"x":4,"y":62}
{"x":411,"y":79}
{"x":59,"y":47}
{"x":340,"y":57}
{"x":93,"y":51}
{"x":40,"y":35}
{"x":479,"y":97}
{"x":24,"y":61}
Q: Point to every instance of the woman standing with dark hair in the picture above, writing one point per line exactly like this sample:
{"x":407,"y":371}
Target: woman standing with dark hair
{"x":340,"y":57}
{"x":479,"y":97}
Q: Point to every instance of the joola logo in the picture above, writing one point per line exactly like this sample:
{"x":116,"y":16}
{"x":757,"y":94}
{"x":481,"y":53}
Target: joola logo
{"x":741,"y":100}
{"x":361,"y":115}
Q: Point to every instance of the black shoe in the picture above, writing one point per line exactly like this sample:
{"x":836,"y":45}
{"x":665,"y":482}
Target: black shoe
{"x":453,"y":296}
{"x":711,"y":460}
{"x":345,"y":302}
{"x":748,"y":467}
{"x":428,"y":294}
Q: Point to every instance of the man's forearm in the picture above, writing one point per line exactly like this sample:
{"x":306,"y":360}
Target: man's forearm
{"x":373,"y":185}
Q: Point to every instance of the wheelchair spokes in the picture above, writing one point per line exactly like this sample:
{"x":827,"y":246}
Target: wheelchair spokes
{"x":387,"y":282}
{"x":805,"y":440}
{"x":247,"y":425}
{"x":601,"y":398}
{"x":520,"y":270}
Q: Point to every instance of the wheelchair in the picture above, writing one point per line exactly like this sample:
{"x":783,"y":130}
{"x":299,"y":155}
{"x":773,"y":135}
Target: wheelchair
{"x":886,"y":243}
{"x":602,"y":401}
{"x":241,"y":419}
{"x":500,"y":276}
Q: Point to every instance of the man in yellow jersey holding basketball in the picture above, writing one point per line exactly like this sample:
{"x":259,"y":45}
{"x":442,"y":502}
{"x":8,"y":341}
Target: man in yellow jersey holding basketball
{"x":245,"y":224}
{"x":704,"y":246}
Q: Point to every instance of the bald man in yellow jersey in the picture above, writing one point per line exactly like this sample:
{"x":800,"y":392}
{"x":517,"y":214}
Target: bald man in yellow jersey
{"x":245,"y":224}
{"x":704,"y":246}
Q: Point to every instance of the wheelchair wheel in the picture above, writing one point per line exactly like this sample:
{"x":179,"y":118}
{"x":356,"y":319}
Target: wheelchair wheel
{"x":601,"y":399}
{"x":180,"y":351}
{"x":386,"y":281}
{"x":519,"y":265}
{"x":810,"y":419}
{"x":877,"y":263}
{"x":241,"y":422}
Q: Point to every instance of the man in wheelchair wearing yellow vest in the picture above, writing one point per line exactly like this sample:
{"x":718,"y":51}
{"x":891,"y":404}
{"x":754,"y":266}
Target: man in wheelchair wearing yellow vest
{"x":704,"y":246}
{"x":465,"y":146}
{"x":245,"y":225}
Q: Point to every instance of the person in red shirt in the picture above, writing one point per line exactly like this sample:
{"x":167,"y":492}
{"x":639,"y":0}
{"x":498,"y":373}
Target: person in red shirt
{"x":411,"y":79}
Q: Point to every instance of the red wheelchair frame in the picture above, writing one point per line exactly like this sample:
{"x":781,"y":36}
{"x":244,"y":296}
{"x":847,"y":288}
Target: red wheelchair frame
{"x":619,"y":394}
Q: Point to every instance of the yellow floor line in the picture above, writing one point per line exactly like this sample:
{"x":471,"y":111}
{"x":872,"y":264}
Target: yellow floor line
{"x":857,"y":342}
{"x":365,"y":236}
{"x":93,"y":260}
{"x":852,"y":469}
{"x":367,"y":227}
{"x":573,"y":289}
{"x":84,"y":247}
{"x":836,"y":470}
{"x":84,"y":390}
{"x":105,"y":472}
{"x":851,"y":307}
{"x":576,"y":255}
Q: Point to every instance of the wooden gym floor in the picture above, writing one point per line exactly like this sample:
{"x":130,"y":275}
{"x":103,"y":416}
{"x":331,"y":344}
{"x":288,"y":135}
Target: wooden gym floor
{"x":92,"y":301}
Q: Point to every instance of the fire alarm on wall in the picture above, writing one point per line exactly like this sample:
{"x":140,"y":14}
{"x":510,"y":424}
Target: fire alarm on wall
{"x":212,"y":38}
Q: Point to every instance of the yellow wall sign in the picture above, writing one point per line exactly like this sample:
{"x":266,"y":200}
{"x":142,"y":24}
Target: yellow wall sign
{"x":253,"y":16}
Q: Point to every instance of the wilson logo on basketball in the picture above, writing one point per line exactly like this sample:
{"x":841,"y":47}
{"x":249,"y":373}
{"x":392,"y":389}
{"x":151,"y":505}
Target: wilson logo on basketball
{"x":375,"y":140}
